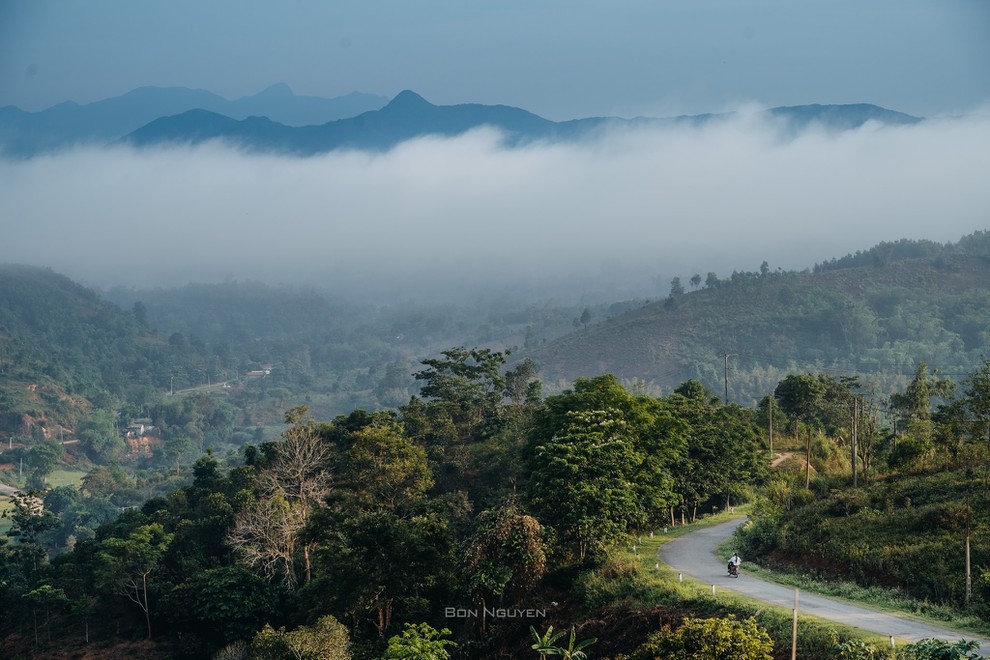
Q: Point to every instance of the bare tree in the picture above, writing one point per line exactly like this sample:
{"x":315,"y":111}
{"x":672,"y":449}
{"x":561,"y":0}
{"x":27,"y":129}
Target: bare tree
{"x":264,"y":537}
{"x":298,"y":478}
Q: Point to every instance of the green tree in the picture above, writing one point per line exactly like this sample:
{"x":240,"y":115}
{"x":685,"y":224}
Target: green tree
{"x":106,"y":481}
{"x":938,"y":649}
{"x":30,"y":520}
{"x":507,"y":554}
{"x":327,"y":639}
{"x":977,"y":399}
{"x":29,"y":517}
{"x":801,"y":395}
{"x":723,"y":448}
{"x":915,"y":403}
{"x":98,"y":437}
{"x":521,"y":385}
{"x":221,"y":605}
{"x":382,"y":545}
{"x":581,"y":479}
{"x":634,"y":476}
{"x":127,"y":563}
{"x":384,"y":470}
{"x":419,"y":641}
{"x":377,"y":561}
{"x":466,"y":386}
{"x":43,"y":459}
{"x":708,"y":639}
{"x":45,"y":599}
{"x":59,"y":499}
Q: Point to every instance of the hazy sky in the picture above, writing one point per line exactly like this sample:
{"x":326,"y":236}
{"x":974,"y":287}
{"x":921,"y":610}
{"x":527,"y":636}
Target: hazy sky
{"x":558,"y":58}
{"x":626,"y":208}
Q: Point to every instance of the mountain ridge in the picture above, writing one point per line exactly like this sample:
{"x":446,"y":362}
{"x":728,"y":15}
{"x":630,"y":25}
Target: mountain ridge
{"x":408,"y":116}
{"x":306,"y":125}
{"x":67,"y":124}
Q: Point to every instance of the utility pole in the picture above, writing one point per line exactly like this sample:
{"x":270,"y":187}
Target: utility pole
{"x":770,"y":411}
{"x":969,"y":577}
{"x":794,"y":627}
{"x":855,"y":431}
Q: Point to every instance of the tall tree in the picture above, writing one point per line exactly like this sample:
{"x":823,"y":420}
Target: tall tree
{"x":977,"y":398}
{"x":382,"y":545}
{"x":581,"y":479}
{"x":127,"y":562}
{"x":506,"y":555}
{"x":465,"y":385}
{"x":915,"y":403}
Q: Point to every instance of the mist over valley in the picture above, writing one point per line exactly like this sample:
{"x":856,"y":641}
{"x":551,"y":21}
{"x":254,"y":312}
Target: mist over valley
{"x":615,"y":213}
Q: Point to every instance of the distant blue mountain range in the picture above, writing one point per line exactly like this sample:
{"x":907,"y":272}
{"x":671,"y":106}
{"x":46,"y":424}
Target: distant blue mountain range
{"x":68,"y":124}
{"x":278,"y":121}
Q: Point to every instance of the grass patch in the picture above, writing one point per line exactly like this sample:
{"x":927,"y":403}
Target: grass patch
{"x":6,"y":506}
{"x":57,"y":478}
{"x":65,"y":478}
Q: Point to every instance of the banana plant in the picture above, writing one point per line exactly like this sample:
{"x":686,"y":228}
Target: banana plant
{"x":545,"y":644}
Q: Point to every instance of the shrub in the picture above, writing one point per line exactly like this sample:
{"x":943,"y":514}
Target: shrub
{"x":708,"y":639}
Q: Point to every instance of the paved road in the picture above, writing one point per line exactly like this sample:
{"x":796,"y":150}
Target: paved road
{"x":694,"y":555}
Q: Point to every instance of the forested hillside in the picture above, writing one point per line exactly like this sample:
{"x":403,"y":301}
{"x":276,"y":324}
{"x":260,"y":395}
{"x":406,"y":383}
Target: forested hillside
{"x":64,"y":349}
{"x":875,"y":314}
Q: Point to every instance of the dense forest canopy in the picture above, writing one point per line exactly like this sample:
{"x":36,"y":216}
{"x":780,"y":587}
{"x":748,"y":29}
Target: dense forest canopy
{"x":479,"y":493}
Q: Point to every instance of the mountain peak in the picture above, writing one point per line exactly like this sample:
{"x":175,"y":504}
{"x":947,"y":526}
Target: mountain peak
{"x":407,"y":99}
{"x":276,"y":90}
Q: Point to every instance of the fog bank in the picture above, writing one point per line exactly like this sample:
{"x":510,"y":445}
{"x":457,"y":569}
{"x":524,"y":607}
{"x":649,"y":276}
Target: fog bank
{"x":440,"y":216}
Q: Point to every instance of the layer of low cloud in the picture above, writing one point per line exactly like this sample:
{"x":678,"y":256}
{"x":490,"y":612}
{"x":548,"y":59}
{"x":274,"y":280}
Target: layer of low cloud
{"x":446,"y":215}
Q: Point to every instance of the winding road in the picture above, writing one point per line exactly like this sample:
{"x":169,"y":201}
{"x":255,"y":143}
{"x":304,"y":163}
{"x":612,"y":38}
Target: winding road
{"x":694,"y":555}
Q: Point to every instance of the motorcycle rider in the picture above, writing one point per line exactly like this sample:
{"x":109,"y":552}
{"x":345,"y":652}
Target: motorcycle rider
{"x":734,"y":562}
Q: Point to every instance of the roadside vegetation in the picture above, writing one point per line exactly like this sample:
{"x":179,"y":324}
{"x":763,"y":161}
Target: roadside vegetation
{"x":898,"y":538}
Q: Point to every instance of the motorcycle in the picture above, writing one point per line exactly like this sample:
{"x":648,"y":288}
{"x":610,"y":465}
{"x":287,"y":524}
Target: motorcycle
{"x":733,"y":570}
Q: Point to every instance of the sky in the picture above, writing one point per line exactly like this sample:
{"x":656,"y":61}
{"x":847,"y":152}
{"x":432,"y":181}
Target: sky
{"x":619,"y":214}
{"x":558,"y":58}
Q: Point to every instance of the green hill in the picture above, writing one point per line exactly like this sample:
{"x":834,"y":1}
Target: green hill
{"x":877,"y":313}
{"x":64,"y":349}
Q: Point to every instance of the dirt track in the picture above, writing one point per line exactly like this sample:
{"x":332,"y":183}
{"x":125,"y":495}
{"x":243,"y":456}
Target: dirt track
{"x":694,"y":555}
